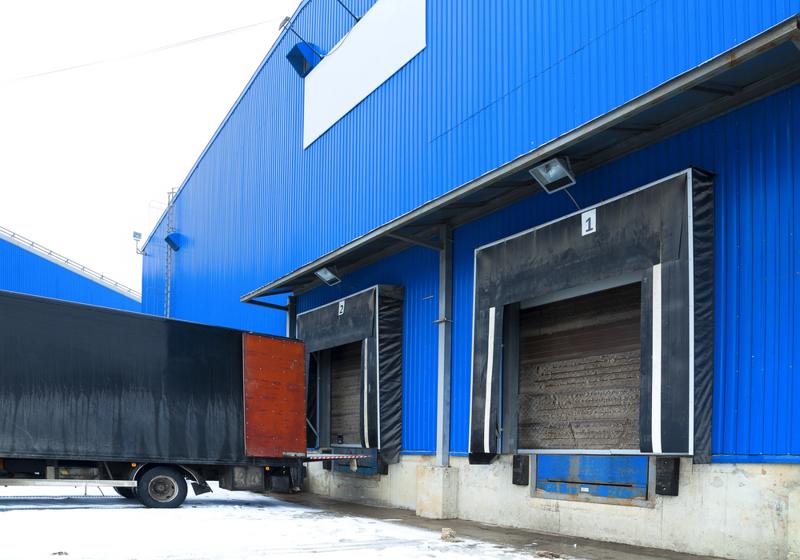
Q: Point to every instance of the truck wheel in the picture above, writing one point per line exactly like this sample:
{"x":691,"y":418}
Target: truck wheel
{"x":126,"y":492}
{"x":161,"y":487}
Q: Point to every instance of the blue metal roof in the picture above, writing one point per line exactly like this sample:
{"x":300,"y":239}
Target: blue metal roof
{"x":27,"y":267}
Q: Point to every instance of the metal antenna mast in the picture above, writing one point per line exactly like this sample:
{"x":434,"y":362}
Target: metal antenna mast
{"x":169,"y":258}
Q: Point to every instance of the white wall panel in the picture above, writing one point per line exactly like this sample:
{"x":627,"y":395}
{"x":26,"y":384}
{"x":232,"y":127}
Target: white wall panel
{"x":390,"y":34}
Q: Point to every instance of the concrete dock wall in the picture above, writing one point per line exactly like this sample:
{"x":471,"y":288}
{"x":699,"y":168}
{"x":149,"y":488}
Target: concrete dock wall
{"x":738,"y":511}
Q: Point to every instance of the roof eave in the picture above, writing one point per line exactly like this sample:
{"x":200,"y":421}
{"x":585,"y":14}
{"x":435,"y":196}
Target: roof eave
{"x":302,"y":279}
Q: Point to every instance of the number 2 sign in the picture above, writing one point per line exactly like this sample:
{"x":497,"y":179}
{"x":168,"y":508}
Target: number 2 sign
{"x":589,"y":221}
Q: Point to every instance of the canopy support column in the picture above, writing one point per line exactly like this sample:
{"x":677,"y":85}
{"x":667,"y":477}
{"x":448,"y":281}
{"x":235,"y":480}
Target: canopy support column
{"x":445,"y":325}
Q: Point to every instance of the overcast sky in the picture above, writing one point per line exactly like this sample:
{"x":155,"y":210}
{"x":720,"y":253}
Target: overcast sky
{"x":105,"y":106}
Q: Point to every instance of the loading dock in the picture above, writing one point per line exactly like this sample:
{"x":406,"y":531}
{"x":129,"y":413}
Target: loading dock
{"x":345,"y":390}
{"x":576,"y":384}
{"x":750,"y":150}
{"x":354,"y":374}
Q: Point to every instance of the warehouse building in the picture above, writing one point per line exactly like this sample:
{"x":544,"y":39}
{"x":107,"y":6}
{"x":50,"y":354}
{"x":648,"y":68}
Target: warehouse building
{"x":28,"y":267}
{"x":545,"y":258}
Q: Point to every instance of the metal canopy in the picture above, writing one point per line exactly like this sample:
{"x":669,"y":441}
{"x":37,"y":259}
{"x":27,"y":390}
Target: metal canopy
{"x":758,"y":67}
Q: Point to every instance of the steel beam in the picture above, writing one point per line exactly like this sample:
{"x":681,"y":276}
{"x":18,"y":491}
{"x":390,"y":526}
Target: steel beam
{"x":291,"y":317}
{"x":66,"y":482}
{"x":444,"y":351}
{"x":268,"y":305}
{"x":416,"y":241}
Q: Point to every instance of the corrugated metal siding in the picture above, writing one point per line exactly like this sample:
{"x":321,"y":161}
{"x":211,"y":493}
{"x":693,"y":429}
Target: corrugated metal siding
{"x":757,"y":286}
{"x":495,"y":80}
{"x":417,"y":271}
{"x":26,"y":272}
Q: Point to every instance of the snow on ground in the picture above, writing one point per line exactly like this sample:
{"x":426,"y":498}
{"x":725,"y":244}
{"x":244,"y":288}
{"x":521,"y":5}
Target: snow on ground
{"x":37,"y":523}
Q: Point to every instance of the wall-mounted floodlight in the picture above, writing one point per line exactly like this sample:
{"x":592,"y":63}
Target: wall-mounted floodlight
{"x":553,"y":175}
{"x":304,"y":56}
{"x":328,"y":275}
{"x":303,"y":59}
{"x":137,"y":237}
{"x":173,"y":240}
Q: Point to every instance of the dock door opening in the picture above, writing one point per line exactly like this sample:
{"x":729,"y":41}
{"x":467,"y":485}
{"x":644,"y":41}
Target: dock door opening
{"x":579,"y":372}
{"x":345,"y":394}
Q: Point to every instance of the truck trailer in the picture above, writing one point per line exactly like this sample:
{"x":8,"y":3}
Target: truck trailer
{"x":91,"y":396}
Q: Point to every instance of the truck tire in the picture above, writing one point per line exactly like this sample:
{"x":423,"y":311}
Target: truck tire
{"x":126,"y":492}
{"x":161,"y":487}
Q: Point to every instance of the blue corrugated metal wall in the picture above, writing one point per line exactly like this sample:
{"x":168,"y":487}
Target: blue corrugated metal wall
{"x":754,"y":152}
{"x":29,"y":273}
{"x":496,"y":80}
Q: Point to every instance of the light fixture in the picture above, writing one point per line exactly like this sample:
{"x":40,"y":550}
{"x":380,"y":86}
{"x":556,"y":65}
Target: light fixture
{"x":305,"y":58}
{"x":553,"y":175}
{"x":173,"y":240}
{"x":137,"y":237}
{"x":328,"y":275}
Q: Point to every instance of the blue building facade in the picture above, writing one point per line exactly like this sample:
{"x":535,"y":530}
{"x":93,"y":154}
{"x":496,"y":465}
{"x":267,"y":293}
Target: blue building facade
{"x":494,"y":82}
{"x":29,"y":268}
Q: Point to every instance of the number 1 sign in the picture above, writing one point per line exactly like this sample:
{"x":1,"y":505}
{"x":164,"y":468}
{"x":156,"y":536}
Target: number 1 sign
{"x":589,"y":221}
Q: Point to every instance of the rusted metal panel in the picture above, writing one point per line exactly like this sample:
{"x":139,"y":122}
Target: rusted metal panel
{"x":579,"y":372}
{"x":345,"y":394}
{"x":274,"y":396}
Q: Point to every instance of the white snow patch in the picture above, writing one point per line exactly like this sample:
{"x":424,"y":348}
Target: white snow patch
{"x":96,"y":524}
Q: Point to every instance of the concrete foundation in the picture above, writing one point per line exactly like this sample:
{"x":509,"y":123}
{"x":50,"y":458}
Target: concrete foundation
{"x":437,"y":492}
{"x":738,"y":511}
{"x":397,"y":489}
{"x":793,"y":524}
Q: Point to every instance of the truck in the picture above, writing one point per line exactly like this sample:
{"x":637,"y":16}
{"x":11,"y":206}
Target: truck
{"x":146,"y":405}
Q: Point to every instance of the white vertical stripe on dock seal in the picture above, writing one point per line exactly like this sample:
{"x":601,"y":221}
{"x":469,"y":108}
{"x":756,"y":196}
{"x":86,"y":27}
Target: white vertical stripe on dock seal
{"x":489,"y":371}
{"x":365,"y":351}
{"x":655,"y":415}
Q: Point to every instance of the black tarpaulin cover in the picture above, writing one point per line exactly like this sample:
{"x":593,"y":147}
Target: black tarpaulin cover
{"x":641,"y":232}
{"x":85,"y":382}
{"x":374,"y":316}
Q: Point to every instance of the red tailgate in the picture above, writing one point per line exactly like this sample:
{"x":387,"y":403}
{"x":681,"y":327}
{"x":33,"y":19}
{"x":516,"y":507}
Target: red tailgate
{"x":274,"y":396}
